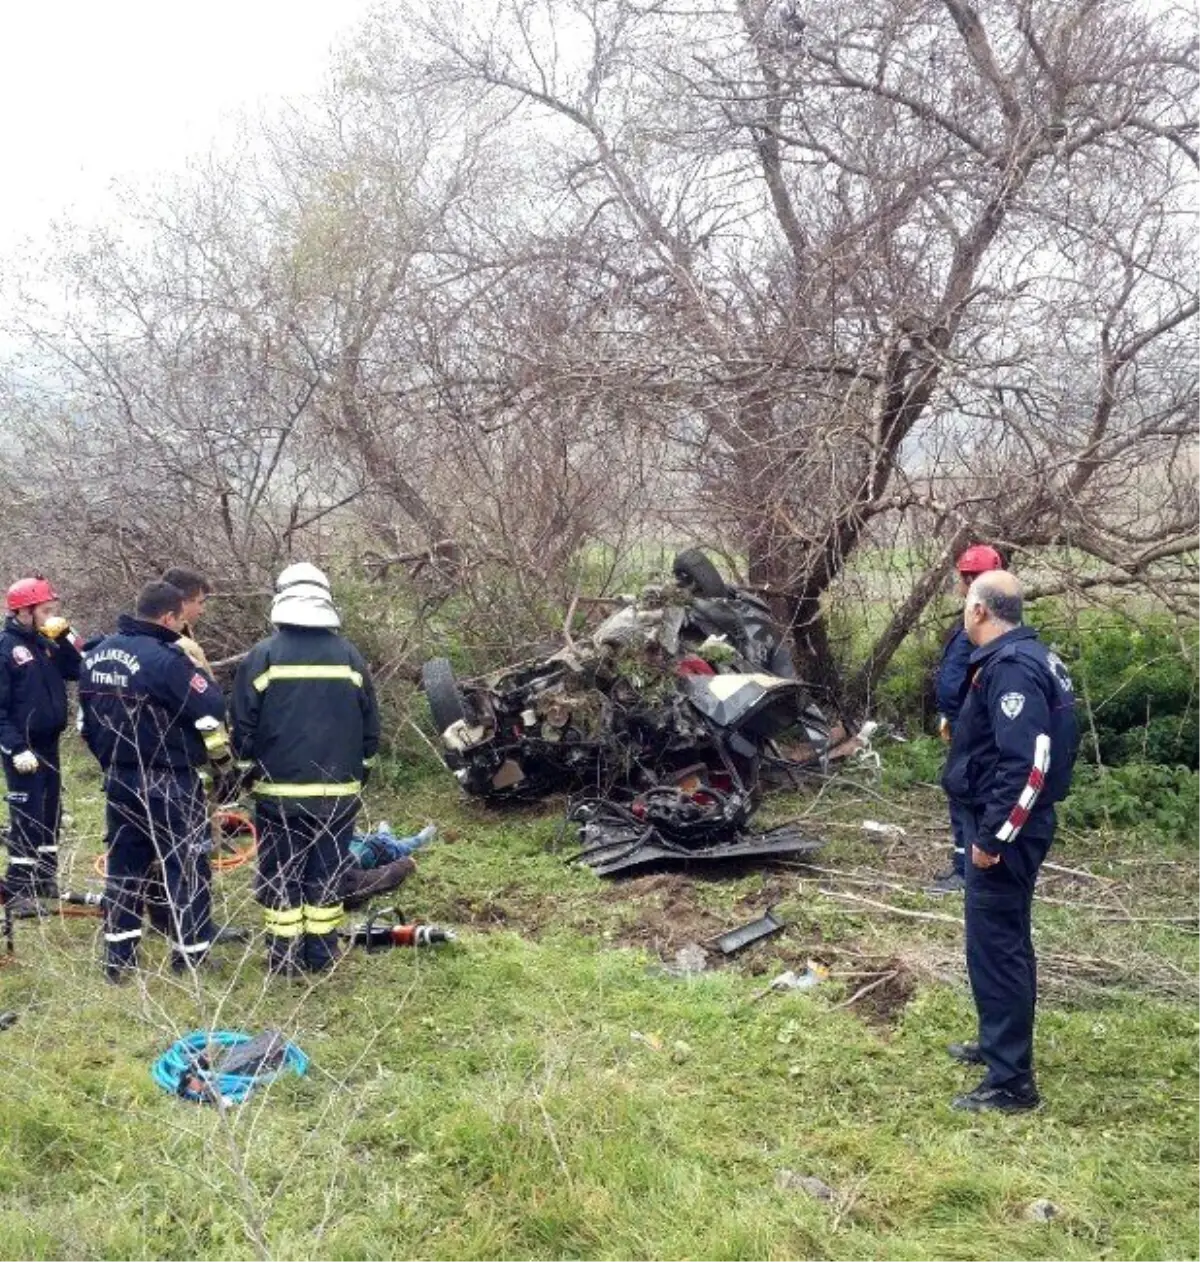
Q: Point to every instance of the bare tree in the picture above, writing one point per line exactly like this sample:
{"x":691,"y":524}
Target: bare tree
{"x":864,"y":261}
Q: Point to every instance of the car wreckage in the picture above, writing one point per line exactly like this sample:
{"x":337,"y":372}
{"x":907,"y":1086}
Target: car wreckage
{"x":663,"y":722}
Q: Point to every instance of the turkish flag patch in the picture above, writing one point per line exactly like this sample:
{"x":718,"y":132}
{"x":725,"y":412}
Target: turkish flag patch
{"x":22,"y":656}
{"x":199,"y":683}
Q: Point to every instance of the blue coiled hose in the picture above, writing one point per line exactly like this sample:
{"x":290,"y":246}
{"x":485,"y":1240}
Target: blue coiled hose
{"x":178,"y":1063}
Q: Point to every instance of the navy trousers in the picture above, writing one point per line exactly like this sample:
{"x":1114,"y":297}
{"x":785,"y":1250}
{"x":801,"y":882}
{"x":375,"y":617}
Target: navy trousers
{"x":34,"y":810}
{"x":157,"y":816}
{"x":302,"y":858}
{"x":1000,"y":958}
{"x":962,"y":826}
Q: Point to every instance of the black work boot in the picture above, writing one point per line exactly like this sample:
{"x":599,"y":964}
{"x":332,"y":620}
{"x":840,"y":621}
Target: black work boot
{"x":321,"y":952}
{"x":947,"y":883}
{"x":46,"y":886}
{"x":966,"y":1053}
{"x":285,"y":957}
{"x":1015,"y":1097}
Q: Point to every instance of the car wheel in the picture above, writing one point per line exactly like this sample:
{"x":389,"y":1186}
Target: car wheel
{"x":695,"y":570}
{"x":441,"y":691}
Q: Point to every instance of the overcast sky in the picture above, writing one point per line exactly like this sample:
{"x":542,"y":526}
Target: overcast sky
{"x":97,"y":90}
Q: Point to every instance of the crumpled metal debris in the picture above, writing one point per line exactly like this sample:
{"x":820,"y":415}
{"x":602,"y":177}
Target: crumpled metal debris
{"x":670,"y":710}
{"x":692,"y":671}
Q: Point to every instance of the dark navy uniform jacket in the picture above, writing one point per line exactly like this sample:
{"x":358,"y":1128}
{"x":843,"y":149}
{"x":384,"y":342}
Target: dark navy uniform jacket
{"x":144,"y":704}
{"x":1013,"y":747}
{"x":305,"y":715}
{"x":33,"y":689}
{"x":952,"y":672}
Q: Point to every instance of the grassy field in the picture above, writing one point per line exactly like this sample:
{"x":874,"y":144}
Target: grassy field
{"x":545,"y":1090}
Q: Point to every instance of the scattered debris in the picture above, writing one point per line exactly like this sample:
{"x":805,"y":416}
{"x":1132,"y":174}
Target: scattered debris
{"x":891,"y":831}
{"x":1041,"y":1211}
{"x":689,"y":960}
{"x":790,"y":1181}
{"x":812,"y":976}
{"x":615,"y":840}
{"x":8,"y":1018}
{"x":735,"y":940}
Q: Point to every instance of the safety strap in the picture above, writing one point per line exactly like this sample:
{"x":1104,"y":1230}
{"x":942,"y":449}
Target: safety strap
{"x":127,"y":935}
{"x":280,"y":790}
{"x":288,"y":923}
{"x":273,"y":673}
{"x":321,"y":920}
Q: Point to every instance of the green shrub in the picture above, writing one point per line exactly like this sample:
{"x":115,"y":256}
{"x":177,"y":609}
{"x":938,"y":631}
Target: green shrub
{"x":1141,"y":796}
{"x":916,"y":761}
{"x":1136,"y":682}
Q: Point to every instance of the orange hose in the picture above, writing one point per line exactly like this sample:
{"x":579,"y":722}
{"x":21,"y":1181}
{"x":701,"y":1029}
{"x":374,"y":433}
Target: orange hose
{"x":243,"y":854}
{"x":221,"y":863}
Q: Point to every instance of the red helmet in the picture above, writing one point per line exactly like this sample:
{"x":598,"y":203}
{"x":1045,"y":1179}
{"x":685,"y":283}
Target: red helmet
{"x":27,"y":592}
{"x":979,"y":558}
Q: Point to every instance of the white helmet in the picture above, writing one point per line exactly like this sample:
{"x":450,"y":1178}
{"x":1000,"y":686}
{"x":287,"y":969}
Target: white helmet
{"x":302,"y":598}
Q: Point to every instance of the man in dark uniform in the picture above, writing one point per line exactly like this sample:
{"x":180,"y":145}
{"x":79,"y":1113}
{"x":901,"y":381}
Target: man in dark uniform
{"x":1011,"y":757}
{"x":951,"y":675}
{"x":152,"y":719}
{"x":38,"y":654}
{"x":306,"y":721}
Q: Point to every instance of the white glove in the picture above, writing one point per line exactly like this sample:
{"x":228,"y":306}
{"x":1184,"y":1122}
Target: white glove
{"x":26,"y":762}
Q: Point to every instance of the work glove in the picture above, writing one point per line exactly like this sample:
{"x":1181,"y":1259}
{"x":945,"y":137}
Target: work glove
{"x":55,"y":628}
{"x":25,"y":763}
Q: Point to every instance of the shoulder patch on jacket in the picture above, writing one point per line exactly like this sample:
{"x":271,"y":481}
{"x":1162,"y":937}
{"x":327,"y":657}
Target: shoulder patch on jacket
{"x":1012,"y":703}
{"x":199,"y":683}
{"x":21,"y":656}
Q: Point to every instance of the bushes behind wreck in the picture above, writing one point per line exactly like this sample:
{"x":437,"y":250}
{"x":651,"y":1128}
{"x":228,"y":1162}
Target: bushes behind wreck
{"x":1135,"y":676}
{"x":1136,"y":679}
{"x":1136,"y":685}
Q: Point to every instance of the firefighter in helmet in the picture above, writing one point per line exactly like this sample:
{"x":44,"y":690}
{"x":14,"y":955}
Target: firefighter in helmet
{"x":306,"y":726}
{"x":38,"y":654}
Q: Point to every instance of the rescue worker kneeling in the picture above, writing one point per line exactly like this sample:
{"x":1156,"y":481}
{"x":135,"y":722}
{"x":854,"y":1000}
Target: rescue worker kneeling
{"x":152,"y":719}
{"x":306,"y":724}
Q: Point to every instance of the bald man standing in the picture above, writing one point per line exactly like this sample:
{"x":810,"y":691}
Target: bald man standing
{"x":1011,"y":757}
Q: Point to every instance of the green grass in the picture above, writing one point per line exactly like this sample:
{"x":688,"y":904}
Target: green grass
{"x":543,"y":1090}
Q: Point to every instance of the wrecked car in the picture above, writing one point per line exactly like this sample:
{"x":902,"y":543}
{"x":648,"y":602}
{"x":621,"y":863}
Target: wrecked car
{"x":686,"y":674}
{"x":666,"y":716}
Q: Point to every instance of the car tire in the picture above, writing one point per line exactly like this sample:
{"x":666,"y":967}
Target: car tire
{"x":441,"y":691}
{"x":693,"y":568}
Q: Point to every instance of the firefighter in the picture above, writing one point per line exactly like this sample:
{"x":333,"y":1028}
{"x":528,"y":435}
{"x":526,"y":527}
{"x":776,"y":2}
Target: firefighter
{"x":152,"y":719}
{"x":38,"y":654}
{"x":951,"y":676}
{"x":196,"y":590}
{"x":1011,"y":758}
{"x":306,"y":721}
